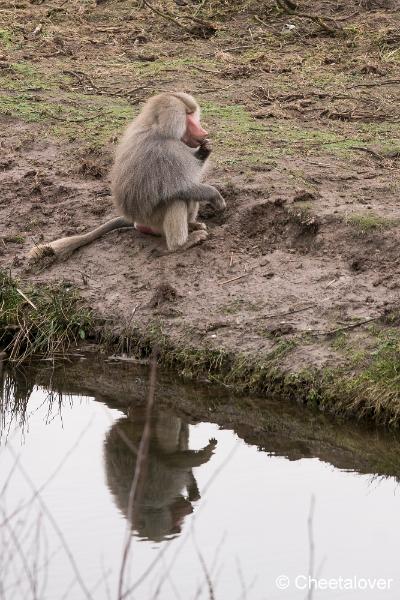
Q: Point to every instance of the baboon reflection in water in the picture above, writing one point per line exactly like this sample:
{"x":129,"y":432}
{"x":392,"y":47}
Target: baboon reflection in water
{"x":161,"y":504}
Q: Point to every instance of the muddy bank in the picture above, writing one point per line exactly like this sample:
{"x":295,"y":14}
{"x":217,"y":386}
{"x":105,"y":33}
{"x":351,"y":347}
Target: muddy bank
{"x":295,"y":292}
{"x":276,"y":427}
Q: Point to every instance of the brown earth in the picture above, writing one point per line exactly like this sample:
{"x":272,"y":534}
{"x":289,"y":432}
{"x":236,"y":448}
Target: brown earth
{"x":307,"y":155}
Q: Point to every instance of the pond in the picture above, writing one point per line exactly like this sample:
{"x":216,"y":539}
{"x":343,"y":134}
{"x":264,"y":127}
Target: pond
{"x":239,"y":498}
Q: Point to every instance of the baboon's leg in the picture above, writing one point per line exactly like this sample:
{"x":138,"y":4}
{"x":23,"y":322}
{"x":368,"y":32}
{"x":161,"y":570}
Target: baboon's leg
{"x":194,"y":224}
{"x":176,"y":228}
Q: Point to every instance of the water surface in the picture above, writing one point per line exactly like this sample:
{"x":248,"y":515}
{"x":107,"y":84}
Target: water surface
{"x":217,"y":517}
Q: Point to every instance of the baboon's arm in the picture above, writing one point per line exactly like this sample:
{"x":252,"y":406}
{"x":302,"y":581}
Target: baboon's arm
{"x":186,"y":459}
{"x":202,"y":192}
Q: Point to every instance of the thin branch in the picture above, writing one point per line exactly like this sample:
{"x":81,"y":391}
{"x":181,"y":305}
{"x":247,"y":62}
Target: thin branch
{"x":234,"y":278}
{"x":284,"y":5}
{"x":199,"y":21}
{"x":311,"y":546}
{"x":56,"y":527}
{"x":165,"y":15}
{"x":376,"y":83}
{"x":139,"y":470}
{"x":21,"y":293}
{"x":362,"y":149}
{"x":207,"y":574}
{"x":291,"y":312}
{"x":23,"y":558}
{"x":352,"y":326}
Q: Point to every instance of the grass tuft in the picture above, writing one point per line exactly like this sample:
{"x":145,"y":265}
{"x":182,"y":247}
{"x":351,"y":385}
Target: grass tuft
{"x":43,"y":320}
{"x":370,"y":222}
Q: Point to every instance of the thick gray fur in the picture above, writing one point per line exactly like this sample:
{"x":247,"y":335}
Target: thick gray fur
{"x":153,"y":166}
{"x":156,"y":179}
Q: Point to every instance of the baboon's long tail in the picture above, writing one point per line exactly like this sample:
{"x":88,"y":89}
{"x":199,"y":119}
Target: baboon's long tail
{"x":64,"y":246}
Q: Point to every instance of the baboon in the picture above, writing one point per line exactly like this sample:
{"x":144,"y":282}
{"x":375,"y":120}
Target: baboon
{"x":156,"y":177}
{"x":168,"y":487}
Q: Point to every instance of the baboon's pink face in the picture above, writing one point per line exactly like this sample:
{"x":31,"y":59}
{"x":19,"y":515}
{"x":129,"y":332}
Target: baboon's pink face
{"x":194,"y":133}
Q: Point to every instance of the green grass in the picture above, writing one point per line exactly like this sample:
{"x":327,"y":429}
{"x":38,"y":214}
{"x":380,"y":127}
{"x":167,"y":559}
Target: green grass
{"x":47,"y":323}
{"x":366,"y":388}
{"x":372,"y":391}
{"x":6,"y":37}
{"x":47,"y":320}
{"x":16,"y":238}
{"x":370,"y":221}
{"x":46,"y":96}
{"x":35,"y":97}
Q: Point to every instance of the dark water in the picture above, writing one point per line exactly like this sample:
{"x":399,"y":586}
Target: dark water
{"x":215,"y":519}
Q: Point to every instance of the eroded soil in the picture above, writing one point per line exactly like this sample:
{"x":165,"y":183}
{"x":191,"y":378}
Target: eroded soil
{"x":307,"y":155}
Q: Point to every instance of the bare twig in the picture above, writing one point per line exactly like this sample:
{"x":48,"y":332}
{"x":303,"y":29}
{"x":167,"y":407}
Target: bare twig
{"x":199,"y":8}
{"x":263,"y":23}
{"x":37,"y":491}
{"x":165,"y":15}
{"x":351,"y":326}
{"x":311,"y":546}
{"x":291,"y":312}
{"x":206,"y":70}
{"x":206,"y":572}
{"x":56,"y":527}
{"x":199,"y":21}
{"x":284,"y":5}
{"x":234,"y":278}
{"x":376,"y":83}
{"x":21,"y":293}
{"x":375,"y":154}
{"x":344,"y":328}
{"x":139,"y":471}
{"x":23,"y":558}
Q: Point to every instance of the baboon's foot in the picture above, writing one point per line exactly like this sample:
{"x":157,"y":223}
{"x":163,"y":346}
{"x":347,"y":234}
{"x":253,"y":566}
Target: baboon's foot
{"x":195,"y":238}
{"x":197,"y":226}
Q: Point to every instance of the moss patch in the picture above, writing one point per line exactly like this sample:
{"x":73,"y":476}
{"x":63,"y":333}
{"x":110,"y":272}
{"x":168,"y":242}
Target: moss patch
{"x":370,"y":222}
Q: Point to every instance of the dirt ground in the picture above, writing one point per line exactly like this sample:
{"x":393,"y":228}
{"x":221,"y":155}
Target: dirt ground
{"x":305,"y":128}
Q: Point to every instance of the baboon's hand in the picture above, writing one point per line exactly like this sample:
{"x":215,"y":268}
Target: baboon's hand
{"x":210,"y":448}
{"x":206,"y":146}
{"x":204,"y":150}
{"x":217,"y":201}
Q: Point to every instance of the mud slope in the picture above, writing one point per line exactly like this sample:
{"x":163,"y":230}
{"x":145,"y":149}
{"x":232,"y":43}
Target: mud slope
{"x":307,"y":147}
